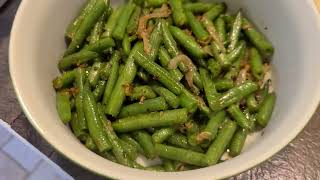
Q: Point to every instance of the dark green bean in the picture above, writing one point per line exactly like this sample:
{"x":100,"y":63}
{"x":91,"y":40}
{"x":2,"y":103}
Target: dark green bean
{"x":188,"y":103}
{"x":179,"y":15}
{"x":214,"y":67}
{"x":237,"y":142}
{"x":171,"y":98}
{"x":256,"y":65}
{"x":100,"y":45}
{"x":64,"y":80}
{"x":87,"y":24}
{"x":63,"y":106}
{"x":112,"y":78}
{"x":180,"y":154}
{"x":196,"y":27}
{"x":134,"y":21}
{"x":145,"y":77}
{"x":155,"y":119}
{"x":221,"y":142}
{"x":123,"y":20}
{"x":112,"y":21}
{"x":163,"y":134}
{"x":150,"y":105}
{"x":266,"y":109}
{"x":187,"y":42}
{"x":240,"y":118}
{"x":76,"y":59}
{"x":210,"y":91}
{"x":145,"y":141}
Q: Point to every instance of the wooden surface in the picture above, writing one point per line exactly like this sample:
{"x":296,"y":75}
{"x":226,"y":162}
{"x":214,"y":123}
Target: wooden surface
{"x":298,"y":160}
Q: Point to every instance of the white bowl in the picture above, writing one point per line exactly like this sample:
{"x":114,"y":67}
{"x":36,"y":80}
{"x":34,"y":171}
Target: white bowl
{"x":37,"y":44}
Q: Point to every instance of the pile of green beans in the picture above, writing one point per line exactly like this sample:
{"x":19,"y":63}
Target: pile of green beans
{"x":196,"y":94}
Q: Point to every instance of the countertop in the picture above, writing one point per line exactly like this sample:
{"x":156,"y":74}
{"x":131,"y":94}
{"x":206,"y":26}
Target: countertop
{"x":298,"y":160}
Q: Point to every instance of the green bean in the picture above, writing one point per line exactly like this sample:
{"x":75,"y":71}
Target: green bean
{"x":187,"y":42}
{"x":168,"y":40}
{"x":179,"y":15}
{"x":112,"y":78}
{"x":237,"y":142}
{"x":157,"y":71}
{"x":150,"y":105}
{"x":99,"y":90}
{"x":220,"y":143}
{"x":214,"y":67}
{"x":219,"y":55}
{"x":223,"y":84}
{"x":164,"y":58}
{"x":210,"y":91}
{"x":141,"y":92}
{"x":94,"y":73}
{"x":215,"y":11}
{"x":266,"y":109}
{"x":75,"y":24}
{"x":94,"y":123}
{"x":168,"y":165}
{"x":143,"y":75}
{"x":80,"y":78}
{"x":134,"y":21}
{"x":252,"y":103}
{"x":80,"y":124}
{"x":79,"y":132}
{"x":63,"y":106}
{"x":188,"y":103}
{"x":235,"y":67}
{"x":87,"y":24}
{"x":257,"y":38}
{"x":108,"y":156}
{"x":100,"y":45}
{"x":123,"y":20}
{"x":198,"y":7}
{"x":154,"y":3}
{"x":221,"y":29}
{"x":170,"y":98}
{"x":163,"y":134}
{"x":76,"y":59}
{"x":180,"y":154}
{"x":236,"y":53}
{"x":125,"y":78}
{"x":235,"y":94}
{"x":126,"y":44}
{"x":133,"y":142}
{"x":256,"y":64}
{"x":96,"y":32}
{"x":239,"y":117}
{"x":130,"y":150}
{"x":112,"y":21}
{"x":196,"y":27}
{"x":154,"y":119}
{"x":155,"y":41}
{"x":64,"y":80}
{"x":90,"y":144}
{"x":105,"y":71}
{"x":145,"y":141}
{"x":179,"y":140}
{"x":235,"y":32}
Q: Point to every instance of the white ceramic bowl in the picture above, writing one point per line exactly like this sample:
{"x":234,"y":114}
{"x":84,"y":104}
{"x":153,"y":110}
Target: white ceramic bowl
{"x":37,"y":43}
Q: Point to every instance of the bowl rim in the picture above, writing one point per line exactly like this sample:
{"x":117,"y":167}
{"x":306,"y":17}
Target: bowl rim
{"x":308,"y":113}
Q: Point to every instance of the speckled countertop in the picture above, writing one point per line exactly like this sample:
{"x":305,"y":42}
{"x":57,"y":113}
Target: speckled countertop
{"x":298,"y":160}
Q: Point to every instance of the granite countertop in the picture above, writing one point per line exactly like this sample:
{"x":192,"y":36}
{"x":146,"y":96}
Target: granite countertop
{"x":298,"y":160}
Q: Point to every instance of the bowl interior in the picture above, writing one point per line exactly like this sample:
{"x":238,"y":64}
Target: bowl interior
{"x":37,"y":43}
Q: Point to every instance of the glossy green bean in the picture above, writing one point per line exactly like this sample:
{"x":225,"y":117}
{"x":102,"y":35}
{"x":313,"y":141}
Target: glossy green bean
{"x":155,"y":119}
{"x":143,"y":75}
{"x":210,"y":91}
{"x":215,"y":11}
{"x":105,"y":71}
{"x":235,"y":32}
{"x":112,"y":22}
{"x":170,"y":98}
{"x":214,"y":67}
{"x":235,"y":54}
{"x":100,"y":45}
{"x":141,"y":93}
{"x":112,"y":78}
{"x":134,"y":21}
{"x":99,"y":90}
{"x":197,"y":29}
{"x":127,"y":138}
{"x":256,"y":64}
{"x":123,"y":20}
{"x":94,"y":73}
{"x":180,"y":154}
{"x":186,"y":102}
{"x":76,"y":59}
{"x":97,"y":30}
{"x":146,"y":143}
{"x":236,"y":113}
{"x":221,"y":142}
{"x":87,"y":24}
{"x":90,"y":144}
{"x":163,"y":134}
{"x":179,"y":15}
{"x":223,"y":84}
{"x":64,"y":80}
{"x":237,"y":142}
{"x":155,"y":41}
{"x":125,"y":78}
{"x":130,"y":150}
{"x":168,"y":165}
{"x":149,"y":105}
{"x":187,"y":42}
{"x":168,"y":40}
{"x":164,"y":58}
{"x":63,"y":106}
{"x":252,"y":103}
{"x":235,"y":94}
{"x":219,"y":55}
{"x":264,"y":114}
{"x":257,"y":38}
{"x":198,"y":7}
{"x":221,"y":29}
